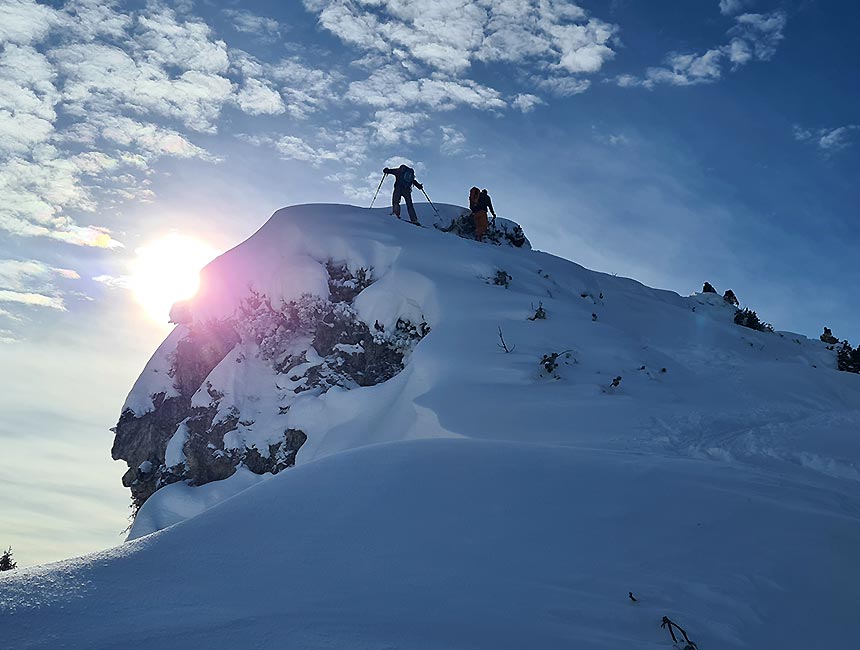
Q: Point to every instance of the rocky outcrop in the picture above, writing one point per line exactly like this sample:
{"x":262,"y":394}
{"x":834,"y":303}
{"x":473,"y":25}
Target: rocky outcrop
{"x":197,"y":430}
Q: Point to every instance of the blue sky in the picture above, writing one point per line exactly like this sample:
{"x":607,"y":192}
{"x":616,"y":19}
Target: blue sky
{"x":672,"y":142}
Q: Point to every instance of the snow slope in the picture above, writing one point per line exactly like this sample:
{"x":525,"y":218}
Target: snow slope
{"x":475,"y":500}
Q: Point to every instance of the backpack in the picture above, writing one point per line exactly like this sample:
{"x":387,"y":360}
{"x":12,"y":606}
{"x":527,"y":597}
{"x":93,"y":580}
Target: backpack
{"x":474,"y":195}
{"x":407,"y":175}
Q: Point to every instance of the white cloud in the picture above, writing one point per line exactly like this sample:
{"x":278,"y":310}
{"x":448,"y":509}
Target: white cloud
{"x":7,"y":336}
{"x":828,"y":140}
{"x":390,"y":88}
{"x":739,"y":51}
{"x":527,"y":102}
{"x":762,"y":31}
{"x":688,"y":69}
{"x":168,"y":40}
{"x":753,"y":37}
{"x":248,"y":23}
{"x":33,"y":299}
{"x":115,"y":281}
{"x":628,"y":80}
{"x":107,"y":79}
{"x":92,"y":76}
{"x":304,"y":89}
{"x":292,"y":147}
{"x":393,"y":127}
{"x":551,"y":43}
{"x":449,"y":35}
{"x":151,"y":140}
{"x":453,"y":141}
{"x":14,"y":274}
{"x":91,"y":19}
{"x":24,"y":21}
{"x":32,"y":283}
{"x":257,"y":97}
{"x":564,"y":86}
{"x":28,"y":98}
{"x":731,"y":7}
{"x":613,"y":139}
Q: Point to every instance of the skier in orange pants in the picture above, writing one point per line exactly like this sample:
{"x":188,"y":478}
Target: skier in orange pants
{"x":480,"y":202}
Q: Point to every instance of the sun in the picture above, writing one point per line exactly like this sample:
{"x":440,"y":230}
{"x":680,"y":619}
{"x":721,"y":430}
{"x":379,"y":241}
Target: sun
{"x":167,"y":270}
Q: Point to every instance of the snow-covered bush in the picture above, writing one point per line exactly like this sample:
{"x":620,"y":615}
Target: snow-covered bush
{"x":464,"y":226}
{"x":540,"y":312}
{"x":848,"y":358}
{"x":730,"y":297}
{"x":748,"y":318}
{"x":274,"y":329}
{"x":502,"y":279}
{"x":827,"y":337}
{"x":550,"y":361}
{"x":343,"y":284}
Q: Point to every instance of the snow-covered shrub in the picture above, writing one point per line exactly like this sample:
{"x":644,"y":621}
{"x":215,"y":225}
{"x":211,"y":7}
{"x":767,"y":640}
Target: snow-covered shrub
{"x":464,"y":226}
{"x":827,"y":337}
{"x":588,"y":294}
{"x":516,"y":237}
{"x":550,"y":361}
{"x":748,"y":318}
{"x":274,"y":330}
{"x":730,"y":297}
{"x":502,"y":279}
{"x":848,"y":358}
{"x":540,"y":312}
{"x":344,"y":285}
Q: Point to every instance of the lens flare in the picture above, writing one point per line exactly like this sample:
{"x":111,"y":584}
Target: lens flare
{"x":167,"y":270}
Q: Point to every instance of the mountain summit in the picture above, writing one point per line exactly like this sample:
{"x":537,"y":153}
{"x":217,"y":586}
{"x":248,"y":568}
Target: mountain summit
{"x":363,"y":433}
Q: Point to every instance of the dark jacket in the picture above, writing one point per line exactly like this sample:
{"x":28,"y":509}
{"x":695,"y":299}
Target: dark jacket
{"x":398,"y":173}
{"x":484,"y":203}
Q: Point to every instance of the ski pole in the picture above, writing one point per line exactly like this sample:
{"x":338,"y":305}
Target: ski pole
{"x":430,"y":202}
{"x":377,"y":189}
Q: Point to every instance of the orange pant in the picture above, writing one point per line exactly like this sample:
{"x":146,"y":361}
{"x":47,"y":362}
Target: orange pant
{"x":481,"y":224}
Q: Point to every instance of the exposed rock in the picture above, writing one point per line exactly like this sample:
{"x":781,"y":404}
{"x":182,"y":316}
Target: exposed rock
{"x":313,"y":343}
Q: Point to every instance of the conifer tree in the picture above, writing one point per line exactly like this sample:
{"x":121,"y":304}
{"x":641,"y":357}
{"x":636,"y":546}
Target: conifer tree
{"x":6,"y":561}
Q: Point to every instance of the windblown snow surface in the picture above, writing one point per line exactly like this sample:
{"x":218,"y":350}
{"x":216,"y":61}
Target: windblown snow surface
{"x":476,"y":500}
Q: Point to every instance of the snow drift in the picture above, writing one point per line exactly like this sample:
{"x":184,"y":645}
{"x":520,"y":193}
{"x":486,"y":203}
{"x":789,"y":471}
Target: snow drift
{"x":447,"y":493}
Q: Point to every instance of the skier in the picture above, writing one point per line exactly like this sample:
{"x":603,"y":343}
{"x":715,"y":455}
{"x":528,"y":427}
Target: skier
{"x":404,"y":179}
{"x":480,"y":202}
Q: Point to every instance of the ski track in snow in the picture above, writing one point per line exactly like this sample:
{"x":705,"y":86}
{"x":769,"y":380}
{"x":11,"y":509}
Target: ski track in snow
{"x":474,"y":501}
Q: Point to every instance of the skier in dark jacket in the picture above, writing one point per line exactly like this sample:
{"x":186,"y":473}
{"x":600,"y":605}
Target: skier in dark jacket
{"x":404,"y":179}
{"x":480,"y":202}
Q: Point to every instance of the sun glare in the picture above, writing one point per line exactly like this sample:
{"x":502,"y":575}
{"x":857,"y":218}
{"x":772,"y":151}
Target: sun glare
{"x":167,"y":270}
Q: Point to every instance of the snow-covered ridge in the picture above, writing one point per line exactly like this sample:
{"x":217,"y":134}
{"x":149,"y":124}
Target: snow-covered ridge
{"x":449,"y":493}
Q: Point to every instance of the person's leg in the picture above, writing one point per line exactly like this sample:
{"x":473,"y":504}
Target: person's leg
{"x":481,"y":224}
{"x":409,"y":207}
{"x":395,"y":202}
